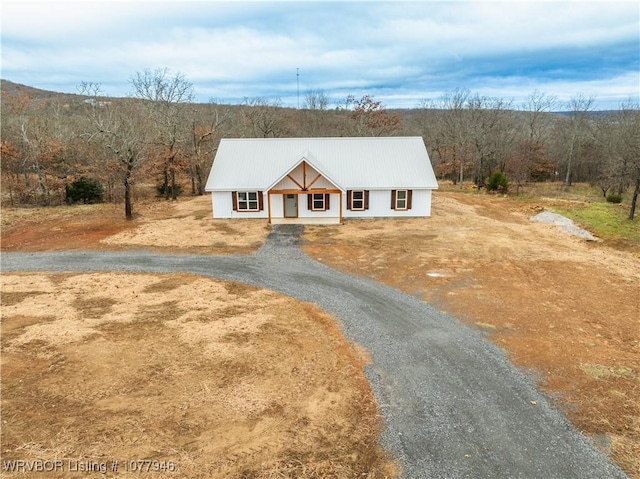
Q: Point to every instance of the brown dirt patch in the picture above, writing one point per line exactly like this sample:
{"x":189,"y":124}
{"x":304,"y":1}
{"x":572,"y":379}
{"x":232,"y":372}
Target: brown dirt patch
{"x":185,"y":226}
{"x":566,"y":310}
{"x":221,"y":379}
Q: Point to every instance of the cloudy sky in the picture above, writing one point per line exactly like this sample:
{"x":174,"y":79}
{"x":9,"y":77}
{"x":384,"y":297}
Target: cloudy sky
{"x":399,"y":52}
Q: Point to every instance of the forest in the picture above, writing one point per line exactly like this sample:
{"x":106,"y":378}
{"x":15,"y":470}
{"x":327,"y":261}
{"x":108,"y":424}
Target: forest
{"x":61,"y":148}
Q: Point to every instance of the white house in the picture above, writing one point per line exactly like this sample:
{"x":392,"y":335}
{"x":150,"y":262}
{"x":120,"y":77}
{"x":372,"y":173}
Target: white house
{"x":321,"y":180}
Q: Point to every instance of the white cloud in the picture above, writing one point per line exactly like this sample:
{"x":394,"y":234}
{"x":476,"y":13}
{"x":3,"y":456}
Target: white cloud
{"x":251,"y":49}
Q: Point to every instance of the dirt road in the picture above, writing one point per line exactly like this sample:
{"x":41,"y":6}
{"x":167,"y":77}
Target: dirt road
{"x":453,"y":405}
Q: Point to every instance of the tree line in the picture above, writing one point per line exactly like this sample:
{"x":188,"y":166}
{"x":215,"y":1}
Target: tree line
{"x":160,"y":135}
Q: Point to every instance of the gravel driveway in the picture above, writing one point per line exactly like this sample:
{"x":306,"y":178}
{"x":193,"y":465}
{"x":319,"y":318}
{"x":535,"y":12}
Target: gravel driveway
{"x":453,"y":405}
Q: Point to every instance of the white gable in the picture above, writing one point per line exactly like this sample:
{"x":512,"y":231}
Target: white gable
{"x":303,"y":176}
{"x":353,"y":163}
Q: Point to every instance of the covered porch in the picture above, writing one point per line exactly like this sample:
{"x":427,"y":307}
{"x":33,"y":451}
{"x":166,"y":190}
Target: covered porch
{"x":304,"y":195}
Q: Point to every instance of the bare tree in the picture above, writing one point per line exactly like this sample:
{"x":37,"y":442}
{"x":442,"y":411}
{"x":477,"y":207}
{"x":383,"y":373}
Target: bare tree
{"x":538,"y":106}
{"x":119,"y":127}
{"x":205,"y":136}
{"x":16,"y":154}
{"x":628,"y":148}
{"x":491,"y":134}
{"x":10,"y":169}
{"x":530,"y":160}
{"x":370,"y":117}
{"x":314,"y":113}
{"x":263,"y":118}
{"x":454,"y":128}
{"x":28,"y":132}
{"x":576,"y":130}
{"x":316,"y":100}
{"x":166,"y":96}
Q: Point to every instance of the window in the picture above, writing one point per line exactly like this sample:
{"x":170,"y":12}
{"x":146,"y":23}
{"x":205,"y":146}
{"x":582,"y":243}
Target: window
{"x":401,"y":199}
{"x":357,"y":200}
{"x":247,"y":201}
{"x":318,"y":202}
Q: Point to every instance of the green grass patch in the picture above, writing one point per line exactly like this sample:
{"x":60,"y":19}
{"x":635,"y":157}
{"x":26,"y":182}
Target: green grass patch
{"x":556,"y":190}
{"x":605,"y":220}
{"x":598,"y":371}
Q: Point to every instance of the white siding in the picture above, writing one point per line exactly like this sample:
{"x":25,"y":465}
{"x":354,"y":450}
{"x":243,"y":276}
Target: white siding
{"x":380,"y":205}
{"x":277,"y":208}
{"x":223,"y":207}
{"x":222,"y":204}
{"x":306,"y":221}
{"x":277,"y":205}
{"x":333,"y":211}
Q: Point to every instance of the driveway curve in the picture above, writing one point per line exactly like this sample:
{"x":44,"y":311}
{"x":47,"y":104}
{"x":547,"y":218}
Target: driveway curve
{"x":453,"y":405}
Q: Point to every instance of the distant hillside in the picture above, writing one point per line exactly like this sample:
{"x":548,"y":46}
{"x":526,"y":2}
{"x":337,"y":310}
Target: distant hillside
{"x":14,"y":89}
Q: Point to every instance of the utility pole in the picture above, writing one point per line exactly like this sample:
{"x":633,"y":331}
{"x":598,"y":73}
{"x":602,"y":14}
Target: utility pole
{"x":298,"y":85}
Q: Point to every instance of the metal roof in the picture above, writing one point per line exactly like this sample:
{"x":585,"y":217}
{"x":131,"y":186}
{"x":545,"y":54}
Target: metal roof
{"x":353,"y":163}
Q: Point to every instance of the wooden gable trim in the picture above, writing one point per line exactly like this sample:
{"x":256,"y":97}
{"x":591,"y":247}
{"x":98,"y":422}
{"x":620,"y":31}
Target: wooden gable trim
{"x":294,"y":180}
{"x":304,"y":175}
{"x":314,"y":180}
{"x":300,"y":192}
{"x":304,"y":184}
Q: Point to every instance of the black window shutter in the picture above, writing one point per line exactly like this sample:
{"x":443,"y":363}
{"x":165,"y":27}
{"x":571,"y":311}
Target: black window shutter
{"x":234,"y":200}
{"x":326,"y":201}
{"x":349,"y":194}
{"x":366,"y":199}
{"x":310,"y":202}
{"x":393,"y":199}
{"x":409,"y":195}
{"x":260,"y":200}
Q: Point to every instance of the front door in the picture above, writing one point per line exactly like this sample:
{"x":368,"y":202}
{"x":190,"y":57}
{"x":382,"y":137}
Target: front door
{"x":290,"y":206}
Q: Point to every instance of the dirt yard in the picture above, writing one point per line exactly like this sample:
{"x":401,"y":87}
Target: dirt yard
{"x":213,"y":379}
{"x":563,"y":309}
{"x":184,"y":227}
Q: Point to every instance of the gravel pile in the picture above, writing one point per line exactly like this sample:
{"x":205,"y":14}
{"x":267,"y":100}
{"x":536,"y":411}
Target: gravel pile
{"x":453,"y":405}
{"x":564,"y":224}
